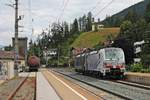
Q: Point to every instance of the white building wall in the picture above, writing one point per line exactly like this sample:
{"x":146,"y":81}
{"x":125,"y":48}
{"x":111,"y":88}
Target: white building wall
{"x":8,"y":68}
{"x":93,"y":27}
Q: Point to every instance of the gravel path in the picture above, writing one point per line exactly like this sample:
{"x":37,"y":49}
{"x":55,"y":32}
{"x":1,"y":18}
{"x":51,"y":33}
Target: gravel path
{"x":7,"y":87}
{"x":117,"y":88}
{"x":27,"y":90}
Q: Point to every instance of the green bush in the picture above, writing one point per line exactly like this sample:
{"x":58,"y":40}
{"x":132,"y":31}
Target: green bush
{"x":145,"y":70}
{"x":128,"y":67}
{"x":52,"y":63}
{"x":136,"y":67}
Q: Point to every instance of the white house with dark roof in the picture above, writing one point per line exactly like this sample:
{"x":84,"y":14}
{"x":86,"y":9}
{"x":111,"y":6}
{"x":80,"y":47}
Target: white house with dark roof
{"x":97,"y":26}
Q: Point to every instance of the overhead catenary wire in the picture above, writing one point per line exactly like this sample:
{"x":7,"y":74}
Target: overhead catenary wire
{"x":63,"y":9}
{"x":63,"y":3}
{"x":92,"y":9}
{"x":97,"y":4}
{"x":104,"y":8}
{"x":61,"y":6}
{"x":56,"y":18}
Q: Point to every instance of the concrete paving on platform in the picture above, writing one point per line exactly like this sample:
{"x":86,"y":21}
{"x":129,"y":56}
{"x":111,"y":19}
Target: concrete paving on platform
{"x":67,"y":89}
{"x":44,"y":89}
{"x":1,"y":81}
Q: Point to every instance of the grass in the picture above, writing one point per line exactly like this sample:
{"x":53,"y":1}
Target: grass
{"x":91,"y":39}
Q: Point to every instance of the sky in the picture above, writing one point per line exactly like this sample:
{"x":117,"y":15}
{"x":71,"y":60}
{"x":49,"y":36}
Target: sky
{"x":45,"y":12}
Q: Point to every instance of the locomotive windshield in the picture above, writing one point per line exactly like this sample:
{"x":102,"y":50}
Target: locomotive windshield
{"x":114,"y":54}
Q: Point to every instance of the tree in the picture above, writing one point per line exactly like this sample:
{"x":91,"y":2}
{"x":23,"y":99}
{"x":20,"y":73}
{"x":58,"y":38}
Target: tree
{"x":89,"y":21}
{"x":147,"y":13}
{"x":126,"y":28}
{"x":109,"y":21}
{"x":66,"y":29}
{"x":131,"y":16}
{"x":146,"y":48}
{"x":134,"y":31}
{"x":127,"y":47}
{"x":146,"y":55}
{"x":147,"y":33}
{"x":80,"y":24}
{"x":75,"y":28}
{"x":57,"y":34}
{"x":84,"y":22}
{"x":34,"y":49}
{"x":117,"y":21}
{"x":8,"y":48}
{"x":139,"y":30}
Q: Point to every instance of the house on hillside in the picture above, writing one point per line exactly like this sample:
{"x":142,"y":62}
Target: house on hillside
{"x":7,"y":62}
{"x":78,"y":51}
{"x":96,"y":26}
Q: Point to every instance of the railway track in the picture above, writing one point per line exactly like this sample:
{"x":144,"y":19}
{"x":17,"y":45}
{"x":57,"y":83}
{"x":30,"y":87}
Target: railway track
{"x":124,"y":90}
{"x":133,"y":84}
{"x":71,"y":90}
{"x":83,"y":87}
{"x":92,"y":86}
{"x":24,"y":89}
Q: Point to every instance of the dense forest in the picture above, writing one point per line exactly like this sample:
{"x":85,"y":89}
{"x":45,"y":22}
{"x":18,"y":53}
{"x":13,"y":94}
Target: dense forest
{"x":116,"y":19}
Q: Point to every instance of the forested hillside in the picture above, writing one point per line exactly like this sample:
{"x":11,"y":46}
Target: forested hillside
{"x":137,"y":9}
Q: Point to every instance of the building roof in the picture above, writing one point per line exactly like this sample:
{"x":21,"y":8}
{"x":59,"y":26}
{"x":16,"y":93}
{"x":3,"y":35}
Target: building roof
{"x":21,"y":38}
{"x":97,"y":23}
{"x":78,"y":51}
{"x":8,"y":55}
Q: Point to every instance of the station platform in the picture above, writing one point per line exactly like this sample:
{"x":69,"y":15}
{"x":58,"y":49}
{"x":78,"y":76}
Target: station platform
{"x":1,"y":81}
{"x":141,"y":78}
{"x":44,"y":90}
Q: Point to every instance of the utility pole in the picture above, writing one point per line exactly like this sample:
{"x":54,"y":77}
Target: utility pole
{"x":16,"y":39}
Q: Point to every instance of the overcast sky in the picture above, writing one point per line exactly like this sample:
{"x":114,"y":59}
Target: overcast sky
{"x":45,"y":12}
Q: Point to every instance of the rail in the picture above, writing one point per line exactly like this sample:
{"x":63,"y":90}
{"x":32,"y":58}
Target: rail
{"x":118,"y":95}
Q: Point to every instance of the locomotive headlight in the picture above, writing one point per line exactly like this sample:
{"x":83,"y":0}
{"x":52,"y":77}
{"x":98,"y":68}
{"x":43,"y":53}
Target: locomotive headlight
{"x":120,"y":65}
{"x":107,"y":65}
{"x":123,"y":65}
